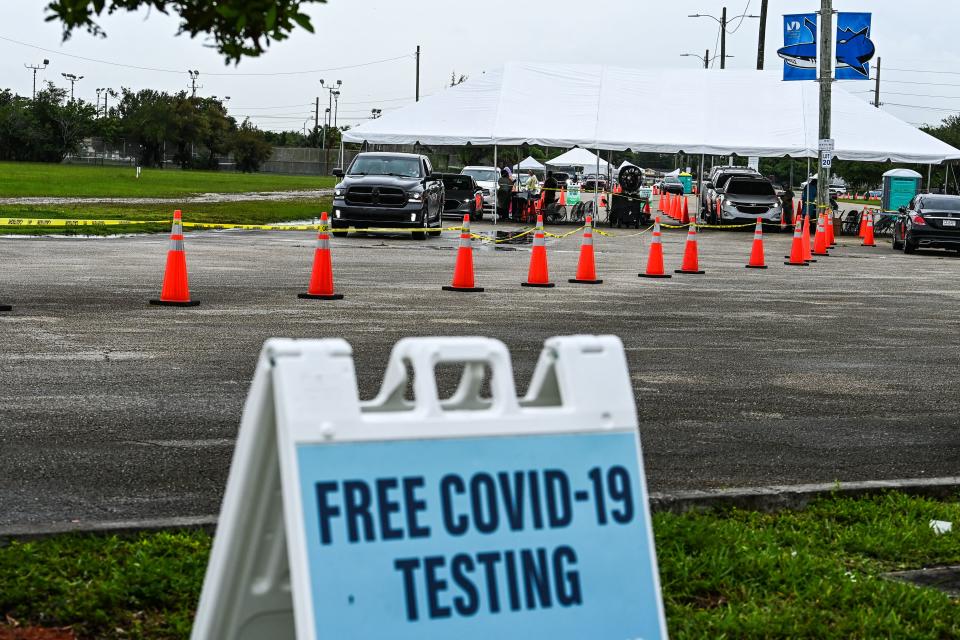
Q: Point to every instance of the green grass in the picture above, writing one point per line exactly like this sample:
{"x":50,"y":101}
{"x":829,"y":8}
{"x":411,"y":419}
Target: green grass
{"x":222,"y":212}
{"x":809,"y":574}
{"x":27,"y":179}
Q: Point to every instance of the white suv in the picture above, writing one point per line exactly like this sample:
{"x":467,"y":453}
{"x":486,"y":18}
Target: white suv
{"x":486,"y":178}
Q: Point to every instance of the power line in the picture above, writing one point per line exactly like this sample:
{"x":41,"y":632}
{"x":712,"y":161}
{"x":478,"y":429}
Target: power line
{"x":928,"y":84}
{"x":950,"y":73}
{"x":918,"y":106}
{"x":180,"y":71}
{"x":742,"y":16}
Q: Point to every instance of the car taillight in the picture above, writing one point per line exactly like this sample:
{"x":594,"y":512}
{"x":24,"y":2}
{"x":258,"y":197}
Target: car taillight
{"x":917,"y":219}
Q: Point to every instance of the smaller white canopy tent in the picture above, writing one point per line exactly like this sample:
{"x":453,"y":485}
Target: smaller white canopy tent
{"x":529,"y":164}
{"x":579,"y":157}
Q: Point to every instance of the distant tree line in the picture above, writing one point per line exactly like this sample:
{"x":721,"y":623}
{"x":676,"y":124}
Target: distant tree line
{"x":151,"y":123}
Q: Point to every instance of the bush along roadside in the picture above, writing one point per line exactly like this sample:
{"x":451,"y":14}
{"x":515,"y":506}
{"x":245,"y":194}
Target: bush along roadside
{"x":814,"y":573}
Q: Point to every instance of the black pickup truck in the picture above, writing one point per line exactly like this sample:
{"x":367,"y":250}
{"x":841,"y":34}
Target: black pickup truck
{"x":388,"y":190}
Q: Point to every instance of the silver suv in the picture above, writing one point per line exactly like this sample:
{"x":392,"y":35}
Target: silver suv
{"x":746,"y":198}
{"x":713,"y":189}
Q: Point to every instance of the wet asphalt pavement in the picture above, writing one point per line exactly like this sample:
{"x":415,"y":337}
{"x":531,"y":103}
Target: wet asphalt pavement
{"x":111,"y":409}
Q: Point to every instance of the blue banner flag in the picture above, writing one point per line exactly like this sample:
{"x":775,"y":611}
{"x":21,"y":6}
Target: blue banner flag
{"x":799,"y":51}
{"x":855,"y":49}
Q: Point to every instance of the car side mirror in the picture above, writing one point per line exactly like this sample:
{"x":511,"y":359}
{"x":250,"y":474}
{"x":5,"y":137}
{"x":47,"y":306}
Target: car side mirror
{"x":338,"y":173}
{"x":902,"y":210}
{"x":708,"y":185}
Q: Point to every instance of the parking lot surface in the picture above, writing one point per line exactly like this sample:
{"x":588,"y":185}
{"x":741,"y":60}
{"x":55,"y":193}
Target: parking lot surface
{"x":111,"y":409}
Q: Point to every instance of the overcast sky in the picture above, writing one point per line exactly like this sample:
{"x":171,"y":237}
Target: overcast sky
{"x":465,"y":37}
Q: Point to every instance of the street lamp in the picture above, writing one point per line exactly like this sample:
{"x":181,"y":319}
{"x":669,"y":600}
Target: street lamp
{"x":73,"y":80}
{"x":375,"y":113}
{"x":722,"y":20}
{"x":706,"y":59}
{"x":36,"y":67}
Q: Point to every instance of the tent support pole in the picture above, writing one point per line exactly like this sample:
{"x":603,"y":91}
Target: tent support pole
{"x":930,"y":178}
{"x":596,"y":189}
{"x":496,"y":184}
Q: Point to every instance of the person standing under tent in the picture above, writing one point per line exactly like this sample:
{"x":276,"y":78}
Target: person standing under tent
{"x":532,"y":184}
{"x":550,"y":187}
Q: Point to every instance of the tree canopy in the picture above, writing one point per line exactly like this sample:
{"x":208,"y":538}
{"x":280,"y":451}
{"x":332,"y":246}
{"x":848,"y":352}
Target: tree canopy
{"x":239,"y":28}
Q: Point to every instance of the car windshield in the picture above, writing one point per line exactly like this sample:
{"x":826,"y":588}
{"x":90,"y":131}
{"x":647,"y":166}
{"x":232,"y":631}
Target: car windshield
{"x":481,"y":175}
{"x":671,"y":180}
{"x":385,"y":166}
{"x":750,"y":188}
{"x":940,"y":203}
{"x":458,"y":183}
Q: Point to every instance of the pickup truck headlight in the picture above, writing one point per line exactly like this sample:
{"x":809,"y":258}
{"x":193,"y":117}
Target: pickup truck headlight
{"x":415,"y":196}
{"x":337,"y":193}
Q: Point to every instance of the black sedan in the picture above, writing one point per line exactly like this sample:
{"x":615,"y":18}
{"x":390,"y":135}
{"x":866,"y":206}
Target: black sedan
{"x":460,"y":191}
{"x":929,"y":221}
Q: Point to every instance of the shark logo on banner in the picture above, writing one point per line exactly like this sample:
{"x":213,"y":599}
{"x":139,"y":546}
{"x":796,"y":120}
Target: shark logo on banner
{"x":855,"y":49}
{"x":799,"y":51}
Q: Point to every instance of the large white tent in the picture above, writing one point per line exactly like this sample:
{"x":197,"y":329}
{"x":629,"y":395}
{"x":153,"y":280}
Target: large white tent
{"x":750,"y":113}
{"x":579,"y":157}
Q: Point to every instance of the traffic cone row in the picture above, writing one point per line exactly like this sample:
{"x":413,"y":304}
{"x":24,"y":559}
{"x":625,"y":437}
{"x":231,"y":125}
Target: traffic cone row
{"x":175,"y":289}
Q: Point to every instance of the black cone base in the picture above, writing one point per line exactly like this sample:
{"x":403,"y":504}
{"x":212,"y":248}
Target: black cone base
{"x":689,"y":272}
{"x":312,"y":296}
{"x":755,"y":266}
{"x":172,"y":303}
{"x":825,"y":255}
{"x":539,"y":285}
{"x":463,"y":289}
{"x":5,"y":307}
{"x":575,"y":281}
{"x":796,"y":264}
{"x":650,"y":275}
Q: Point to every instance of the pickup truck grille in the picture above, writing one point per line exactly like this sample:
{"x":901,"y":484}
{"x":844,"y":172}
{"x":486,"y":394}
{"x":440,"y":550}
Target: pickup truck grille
{"x":376,"y":196}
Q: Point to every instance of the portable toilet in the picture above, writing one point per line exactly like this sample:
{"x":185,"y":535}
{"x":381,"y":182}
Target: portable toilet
{"x":687,"y":181}
{"x":899,"y":187}
{"x":573,"y":195}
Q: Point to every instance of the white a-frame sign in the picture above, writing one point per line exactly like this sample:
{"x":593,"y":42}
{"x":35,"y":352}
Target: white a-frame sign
{"x":477,"y":516}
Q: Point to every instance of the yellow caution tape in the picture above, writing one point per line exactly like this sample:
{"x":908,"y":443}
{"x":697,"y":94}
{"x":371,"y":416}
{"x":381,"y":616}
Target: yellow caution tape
{"x":66,"y":222}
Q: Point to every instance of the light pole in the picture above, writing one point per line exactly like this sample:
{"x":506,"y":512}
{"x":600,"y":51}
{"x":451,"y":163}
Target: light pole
{"x":375,"y":113}
{"x":35,"y":68}
{"x":706,"y":59}
{"x":336,"y":103}
{"x":722,"y":20}
{"x":193,"y":82}
{"x":73,"y":80}
{"x":99,"y":91}
{"x":326,"y":116}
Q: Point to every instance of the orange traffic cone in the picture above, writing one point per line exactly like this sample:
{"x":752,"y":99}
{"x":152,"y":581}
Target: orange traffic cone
{"x":586,"y":266}
{"x":799,"y":211}
{"x":756,"y":253}
{"x":660,"y":205}
{"x":655,"y":259}
{"x":863,"y":224}
{"x":807,"y":253}
{"x":538,"y":275}
{"x":868,"y":240}
{"x":563,"y":197}
{"x":463,"y":270}
{"x":646,"y":207}
{"x":690,"y":263}
{"x":820,"y":239}
{"x":796,"y":250}
{"x":686,"y":213}
{"x":831,"y":239}
{"x":176,"y":291}
{"x":321,"y":278}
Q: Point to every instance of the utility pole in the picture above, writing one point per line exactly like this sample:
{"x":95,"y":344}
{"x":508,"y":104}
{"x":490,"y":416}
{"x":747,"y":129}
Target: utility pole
{"x":36,"y":67}
{"x":762,"y":41}
{"x":826,"y":94}
{"x":706,"y":59}
{"x":193,"y":82}
{"x":73,"y":80}
{"x":418,"y":74}
{"x":336,"y":104}
{"x":316,"y":114}
{"x":723,"y":39}
{"x":876,"y":91}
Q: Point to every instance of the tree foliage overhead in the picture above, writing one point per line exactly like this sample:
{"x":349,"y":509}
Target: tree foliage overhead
{"x":239,"y":28}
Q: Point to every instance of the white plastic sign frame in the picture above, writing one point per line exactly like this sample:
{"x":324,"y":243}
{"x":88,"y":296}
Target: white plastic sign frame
{"x":479,"y":515}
